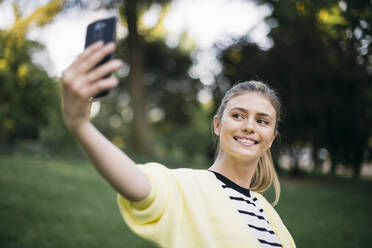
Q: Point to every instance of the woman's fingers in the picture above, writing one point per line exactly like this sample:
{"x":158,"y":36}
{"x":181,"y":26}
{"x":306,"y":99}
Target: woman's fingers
{"x":80,"y":74}
{"x":73,"y":72}
{"x":85,"y":91}
{"x":101,"y":85}
{"x":85,"y":86}
{"x":88,"y":52}
{"x":92,"y":58}
{"x":104,"y":70}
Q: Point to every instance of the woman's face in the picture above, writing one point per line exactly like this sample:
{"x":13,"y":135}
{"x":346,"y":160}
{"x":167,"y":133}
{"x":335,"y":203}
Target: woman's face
{"x":247,"y":127}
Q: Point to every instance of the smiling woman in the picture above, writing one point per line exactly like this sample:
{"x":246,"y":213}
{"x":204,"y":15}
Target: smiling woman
{"x":252,"y":111}
{"x":219,"y":207}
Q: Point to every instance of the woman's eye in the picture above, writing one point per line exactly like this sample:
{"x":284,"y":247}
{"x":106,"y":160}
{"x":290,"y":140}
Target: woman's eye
{"x":237,"y":116}
{"x":263,"y":122}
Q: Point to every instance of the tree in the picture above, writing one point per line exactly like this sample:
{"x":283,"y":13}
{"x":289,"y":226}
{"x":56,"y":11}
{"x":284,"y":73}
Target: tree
{"x":27,"y":94}
{"x":131,"y":12}
{"x":137,"y":49}
{"x":321,"y":73}
{"x":172,"y":104}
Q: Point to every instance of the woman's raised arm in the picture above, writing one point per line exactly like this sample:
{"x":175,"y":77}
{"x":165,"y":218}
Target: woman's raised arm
{"x":80,"y":83}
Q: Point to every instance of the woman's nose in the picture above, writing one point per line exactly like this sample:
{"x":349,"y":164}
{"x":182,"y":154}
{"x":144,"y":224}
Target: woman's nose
{"x":248,"y":125}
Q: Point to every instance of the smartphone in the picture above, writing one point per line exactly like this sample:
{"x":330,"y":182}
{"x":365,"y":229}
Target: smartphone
{"x":105,"y":30}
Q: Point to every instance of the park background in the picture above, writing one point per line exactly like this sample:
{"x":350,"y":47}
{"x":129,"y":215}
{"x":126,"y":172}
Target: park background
{"x":316,"y":54}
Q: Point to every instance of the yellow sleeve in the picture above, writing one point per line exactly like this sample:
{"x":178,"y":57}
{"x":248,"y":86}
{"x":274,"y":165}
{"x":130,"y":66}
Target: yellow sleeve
{"x":148,"y":218}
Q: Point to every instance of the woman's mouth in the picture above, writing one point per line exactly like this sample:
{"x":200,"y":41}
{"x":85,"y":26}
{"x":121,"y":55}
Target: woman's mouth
{"x":246,"y":141}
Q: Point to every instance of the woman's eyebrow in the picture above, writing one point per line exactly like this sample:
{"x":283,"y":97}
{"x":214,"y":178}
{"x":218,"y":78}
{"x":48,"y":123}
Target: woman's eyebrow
{"x":265,"y":115}
{"x":246,"y":111}
{"x":239,"y":109}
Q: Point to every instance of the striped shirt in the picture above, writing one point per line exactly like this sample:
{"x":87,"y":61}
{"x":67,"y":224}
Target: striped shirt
{"x":248,"y":207}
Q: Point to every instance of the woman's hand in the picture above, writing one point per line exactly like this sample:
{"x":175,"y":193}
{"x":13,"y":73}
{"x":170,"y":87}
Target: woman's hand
{"x":81,"y":82}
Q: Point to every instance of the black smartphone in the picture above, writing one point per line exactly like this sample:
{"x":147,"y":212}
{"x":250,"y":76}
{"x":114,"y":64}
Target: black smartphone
{"x":105,"y":30}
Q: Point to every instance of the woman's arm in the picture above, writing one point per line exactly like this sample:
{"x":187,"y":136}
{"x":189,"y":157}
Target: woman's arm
{"x":80,"y":84}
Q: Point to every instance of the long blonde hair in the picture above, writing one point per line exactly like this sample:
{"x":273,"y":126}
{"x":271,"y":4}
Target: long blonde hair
{"x":265,"y":174}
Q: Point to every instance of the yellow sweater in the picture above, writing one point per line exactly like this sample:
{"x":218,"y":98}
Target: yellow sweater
{"x":187,"y":208}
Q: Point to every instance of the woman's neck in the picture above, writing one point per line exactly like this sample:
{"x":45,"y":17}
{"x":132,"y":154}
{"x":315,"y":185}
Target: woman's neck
{"x":238,"y":171}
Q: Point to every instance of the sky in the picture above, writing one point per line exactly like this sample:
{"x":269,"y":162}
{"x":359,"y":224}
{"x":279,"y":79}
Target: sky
{"x":206,"y":21}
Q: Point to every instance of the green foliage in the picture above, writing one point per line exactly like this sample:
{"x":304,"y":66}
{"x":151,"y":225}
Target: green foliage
{"x":191,"y":143}
{"x":320,"y":73}
{"x":30,"y":102}
{"x":27,"y":94}
{"x":171,"y":91}
{"x":170,"y":86}
{"x":54,"y":137}
{"x":158,"y":80}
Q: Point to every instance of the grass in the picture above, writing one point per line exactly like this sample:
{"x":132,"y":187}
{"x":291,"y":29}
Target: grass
{"x":328,"y":211}
{"x":54,"y":202}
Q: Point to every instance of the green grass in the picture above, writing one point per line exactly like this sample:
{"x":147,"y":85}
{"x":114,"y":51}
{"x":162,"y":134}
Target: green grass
{"x":328,"y":212}
{"x":54,"y":202}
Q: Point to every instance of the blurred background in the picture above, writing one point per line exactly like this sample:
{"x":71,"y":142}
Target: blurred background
{"x":180,"y":56}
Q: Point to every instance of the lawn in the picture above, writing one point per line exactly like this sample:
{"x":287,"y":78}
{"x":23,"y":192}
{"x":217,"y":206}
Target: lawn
{"x":53,"y":202}
{"x":48,"y":202}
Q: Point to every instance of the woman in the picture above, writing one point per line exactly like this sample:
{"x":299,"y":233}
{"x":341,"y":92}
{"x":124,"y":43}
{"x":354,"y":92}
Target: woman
{"x":219,"y":207}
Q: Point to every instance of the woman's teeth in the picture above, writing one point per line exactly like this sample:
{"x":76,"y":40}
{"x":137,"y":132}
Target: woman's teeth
{"x":245,"y":141}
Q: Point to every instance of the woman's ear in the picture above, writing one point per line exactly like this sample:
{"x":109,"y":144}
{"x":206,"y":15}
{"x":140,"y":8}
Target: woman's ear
{"x":216,"y":125}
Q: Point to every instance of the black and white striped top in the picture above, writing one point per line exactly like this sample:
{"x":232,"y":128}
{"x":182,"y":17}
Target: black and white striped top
{"x":250,"y":210}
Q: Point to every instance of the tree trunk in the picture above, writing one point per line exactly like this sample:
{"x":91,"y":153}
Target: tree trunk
{"x":318,"y":162}
{"x":140,"y":137}
{"x":333,"y":162}
{"x":358,"y":158}
{"x":295,"y":171}
{"x":357,"y":167}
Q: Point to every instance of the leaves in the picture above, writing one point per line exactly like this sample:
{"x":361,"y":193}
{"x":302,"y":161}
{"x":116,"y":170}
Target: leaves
{"x":317,"y":70}
{"x":28,"y":95}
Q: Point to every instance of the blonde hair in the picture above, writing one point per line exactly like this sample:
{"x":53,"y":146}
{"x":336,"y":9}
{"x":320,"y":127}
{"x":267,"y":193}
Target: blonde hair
{"x":265,"y":174}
